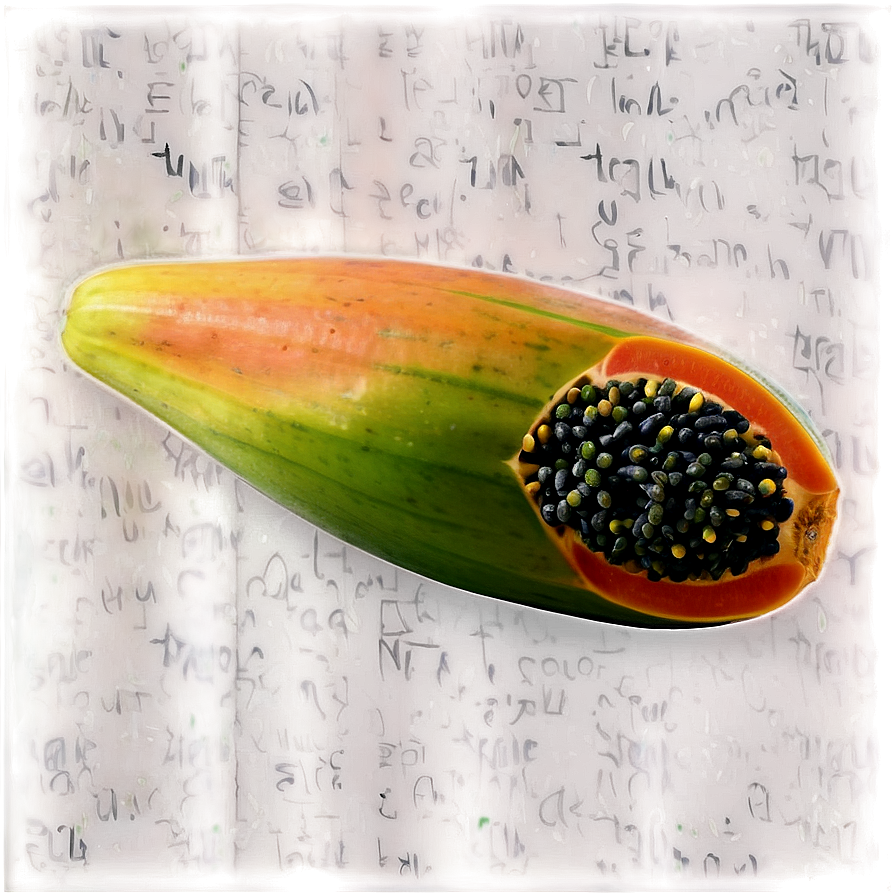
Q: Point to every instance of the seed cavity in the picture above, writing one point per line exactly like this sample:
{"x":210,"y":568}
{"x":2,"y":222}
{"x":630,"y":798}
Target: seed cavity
{"x":659,"y":478}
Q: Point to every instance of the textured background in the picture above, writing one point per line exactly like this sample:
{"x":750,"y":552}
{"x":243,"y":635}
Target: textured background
{"x":200,"y":683}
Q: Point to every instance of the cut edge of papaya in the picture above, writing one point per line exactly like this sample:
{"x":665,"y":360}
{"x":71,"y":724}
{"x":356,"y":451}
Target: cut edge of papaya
{"x":770,"y":582}
{"x":772,"y":585}
{"x":745,"y":390}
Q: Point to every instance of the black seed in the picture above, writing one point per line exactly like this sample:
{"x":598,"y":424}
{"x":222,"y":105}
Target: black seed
{"x":736,"y":421}
{"x":651,"y":425}
{"x":579,"y":432}
{"x":562,"y":431}
{"x":784,"y":510}
{"x":560,"y":478}
{"x":545,"y":473}
{"x":564,"y":512}
{"x":549,"y":514}
{"x":713,"y":443}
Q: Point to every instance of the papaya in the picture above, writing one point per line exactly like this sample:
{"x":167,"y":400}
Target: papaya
{"x":503,"y":436}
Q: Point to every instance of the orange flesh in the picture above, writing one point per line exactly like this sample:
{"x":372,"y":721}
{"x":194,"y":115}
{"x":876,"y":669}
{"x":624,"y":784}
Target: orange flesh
{"x":757,"y":591}
{"x":705,"y":371}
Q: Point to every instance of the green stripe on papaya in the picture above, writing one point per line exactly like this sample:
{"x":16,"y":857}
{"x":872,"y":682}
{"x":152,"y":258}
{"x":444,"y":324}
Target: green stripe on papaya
{"x":465,"y":383}
{"x":545,"y":314}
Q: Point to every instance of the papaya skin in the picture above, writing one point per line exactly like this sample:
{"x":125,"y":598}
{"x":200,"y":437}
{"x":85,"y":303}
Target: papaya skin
{"x":385,"y":402}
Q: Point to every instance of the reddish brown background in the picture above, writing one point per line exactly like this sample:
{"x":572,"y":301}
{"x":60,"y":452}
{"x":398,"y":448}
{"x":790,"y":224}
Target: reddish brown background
{"x":203,"y":691}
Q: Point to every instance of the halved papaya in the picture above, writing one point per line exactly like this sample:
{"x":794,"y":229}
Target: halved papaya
{"x":727,"y":506}
{"x":410,"y":409}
